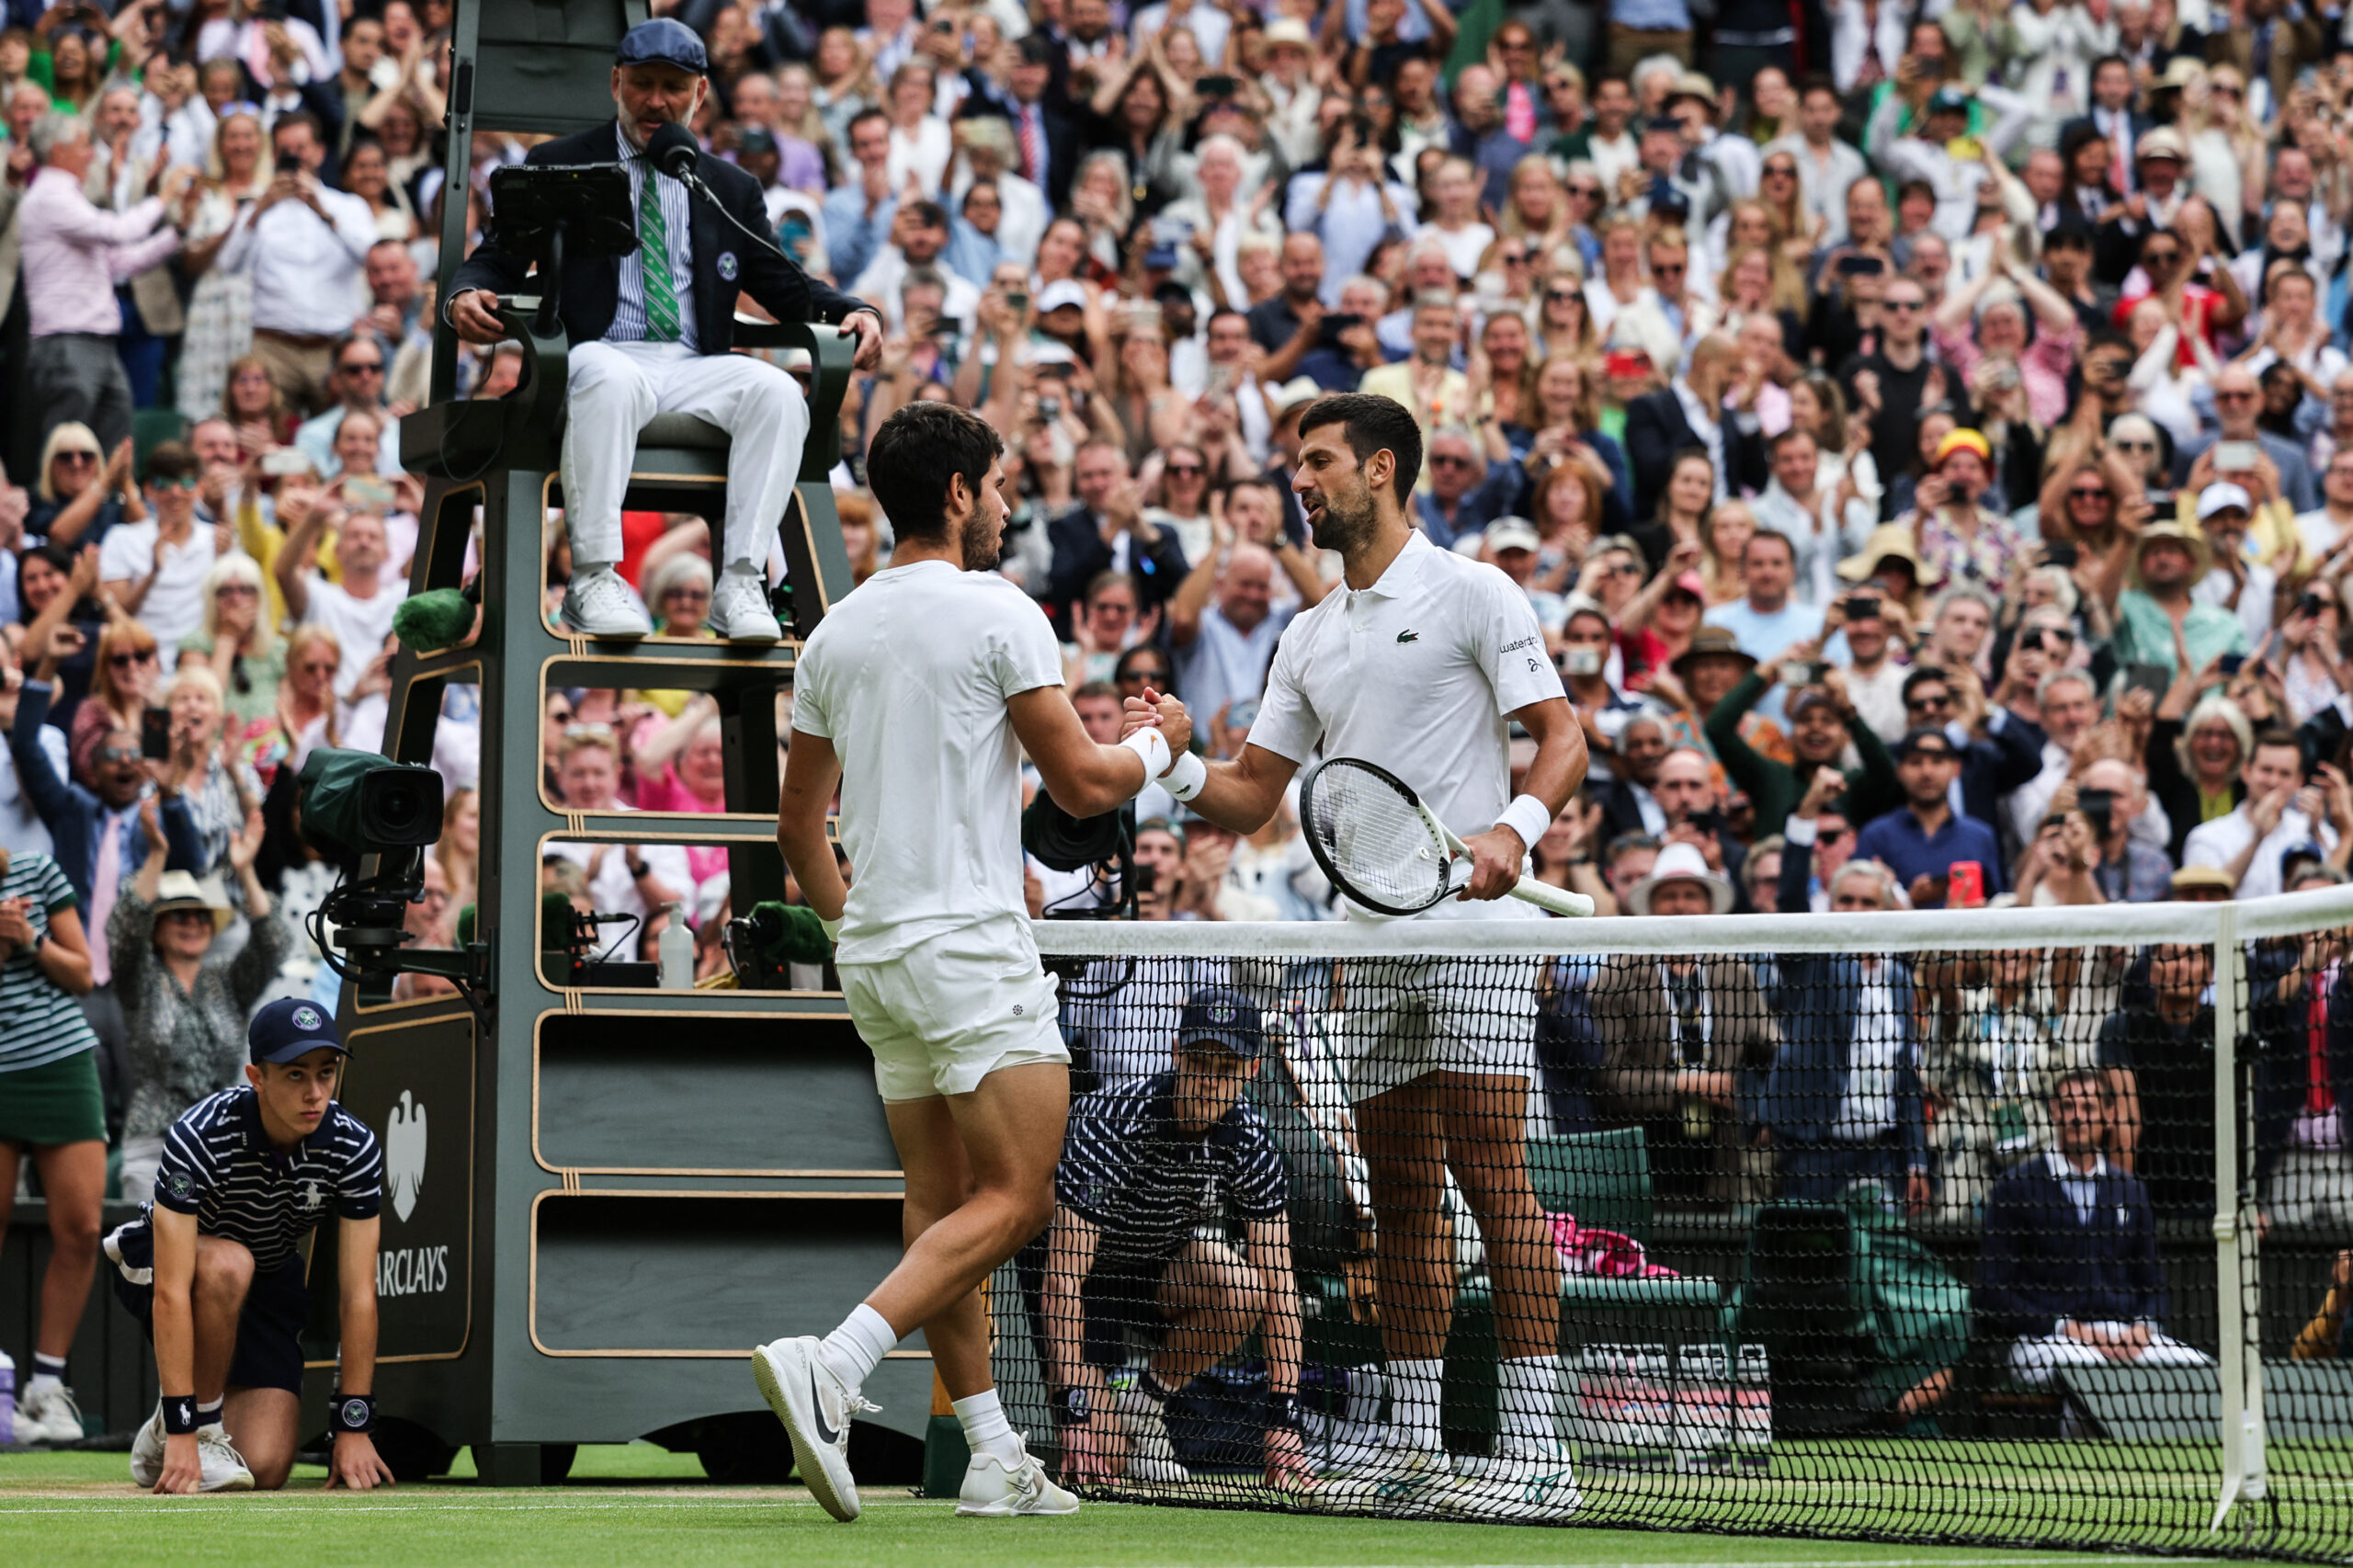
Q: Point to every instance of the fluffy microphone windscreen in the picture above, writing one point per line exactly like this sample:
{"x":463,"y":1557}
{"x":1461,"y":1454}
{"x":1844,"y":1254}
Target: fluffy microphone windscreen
{"x":800,"y":937}
{"x":433,"y":620}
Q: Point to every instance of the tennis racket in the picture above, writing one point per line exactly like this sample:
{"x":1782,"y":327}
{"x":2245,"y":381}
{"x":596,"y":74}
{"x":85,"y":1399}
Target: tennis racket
{"x":1382,"y":847}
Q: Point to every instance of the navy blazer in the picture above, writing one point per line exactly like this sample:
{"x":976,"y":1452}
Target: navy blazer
{"x":2042,"y":1262}
{"x":1998,"y":763}
{"x":73,"y":813}
{"x":1818,"y":999}
{"x":1657,"y":430}
{"x":1079,"y":554}
{"x":726,"y":260}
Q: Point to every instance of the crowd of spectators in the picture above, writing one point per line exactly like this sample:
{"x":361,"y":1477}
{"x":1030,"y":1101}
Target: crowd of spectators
{"x":1925,"y":437}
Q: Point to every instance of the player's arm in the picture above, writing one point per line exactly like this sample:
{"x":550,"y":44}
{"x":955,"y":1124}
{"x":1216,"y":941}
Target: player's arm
{"x":1090,"y":1450}
{"x":1084,"y":776}
{"x":1552,"y":777}
{"x":174,"y":1321}
{"x":352,"y":1458}
{"x":1268,"y":1243}
{"x":812,"y":773}
{"x":1242,"y":794}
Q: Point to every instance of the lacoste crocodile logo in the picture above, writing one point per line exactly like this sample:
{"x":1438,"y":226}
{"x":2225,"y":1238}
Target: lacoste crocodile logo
{"x":1409,"y":637}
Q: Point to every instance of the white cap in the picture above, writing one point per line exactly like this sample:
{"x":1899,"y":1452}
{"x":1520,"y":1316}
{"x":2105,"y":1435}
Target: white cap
{"x":1061,"y":292}
{"x":1513,"y":533}
{"x":2221,"y":495}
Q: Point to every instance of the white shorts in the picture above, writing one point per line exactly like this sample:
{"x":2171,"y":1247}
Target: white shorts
{"x":1404,"y":1018}
{"x":944,"y":1016}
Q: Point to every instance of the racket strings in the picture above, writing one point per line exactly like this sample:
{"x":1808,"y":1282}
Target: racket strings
{"x":1377,"y":842}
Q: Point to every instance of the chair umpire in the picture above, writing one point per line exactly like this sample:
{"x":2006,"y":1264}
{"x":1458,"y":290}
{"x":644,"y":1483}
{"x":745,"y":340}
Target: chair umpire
{"x":651,"y":334}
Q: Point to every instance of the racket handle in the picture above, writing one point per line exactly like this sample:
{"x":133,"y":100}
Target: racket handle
{"x":1544,"y":895}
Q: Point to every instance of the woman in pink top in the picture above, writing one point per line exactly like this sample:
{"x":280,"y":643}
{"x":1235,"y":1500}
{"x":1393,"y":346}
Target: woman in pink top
{"x":2001,"y":331}
{"x":682,"y":768}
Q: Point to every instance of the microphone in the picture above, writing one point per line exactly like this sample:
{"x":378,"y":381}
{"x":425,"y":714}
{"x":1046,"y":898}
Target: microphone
{"x":673,"y":149}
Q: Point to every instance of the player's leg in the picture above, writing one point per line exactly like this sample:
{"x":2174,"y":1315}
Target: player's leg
{"x":765,"y":415}
{"x":1401,"y":1139}
{"x":224,"y":1273}
{"x":264,"y":1427}
{"x":608,"y":399}
{"x":73,"y":1179}
{"x":1484,"y":1114}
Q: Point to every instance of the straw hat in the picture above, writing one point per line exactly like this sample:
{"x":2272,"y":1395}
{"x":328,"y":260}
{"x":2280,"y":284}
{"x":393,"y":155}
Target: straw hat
{"x":2190,"y":539}
{"x":179,"y":889}
{"x":1681,"y":863}
{"x":1707,"y":641}
{"x":1887,"y":539}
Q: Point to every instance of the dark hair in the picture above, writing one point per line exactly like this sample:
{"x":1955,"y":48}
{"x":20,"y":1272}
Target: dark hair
{"x":1370,"y":423}
{"x":930,"y":214}
{"x":2088,"y":1076}
{"x":1793,"y":433}
{"x":849,"y":131}
{"x":2274,"y":736}
{"x":1140,"y":651}
{"x":1816,"y":83}
{"x":1095,"y":688}
{"x":1925,"y":675}
{"x":914,"y":455}
{"x":298,"y":116}
{"x":1222,"y":312}
{"x":171,"y":459}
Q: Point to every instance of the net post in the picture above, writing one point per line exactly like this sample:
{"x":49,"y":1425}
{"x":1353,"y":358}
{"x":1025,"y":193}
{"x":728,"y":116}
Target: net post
{"x":2241,"y":1363}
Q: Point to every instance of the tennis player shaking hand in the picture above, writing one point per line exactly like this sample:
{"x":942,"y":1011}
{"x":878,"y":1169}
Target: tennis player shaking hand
{"x":1419,"y":667}
{"x":916,"y":697}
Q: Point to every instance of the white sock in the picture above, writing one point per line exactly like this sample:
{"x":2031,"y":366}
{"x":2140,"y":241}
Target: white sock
{"x":210,"y":1414}
{"x":856,"y":1348}
{"x":1529,"y":1389}
{"x":42,"y":1383}
{"x":986,"y":1431}
{"x":1413,"y":1403}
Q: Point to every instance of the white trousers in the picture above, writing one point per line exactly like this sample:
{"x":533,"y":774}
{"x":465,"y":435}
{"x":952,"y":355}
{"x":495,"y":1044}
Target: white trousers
{"x":616,"y":388}
{"x":2033,"y":1357}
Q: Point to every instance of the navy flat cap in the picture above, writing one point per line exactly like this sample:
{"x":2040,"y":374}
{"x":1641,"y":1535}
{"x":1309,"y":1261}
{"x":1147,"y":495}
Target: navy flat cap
{"x":663,"y":41}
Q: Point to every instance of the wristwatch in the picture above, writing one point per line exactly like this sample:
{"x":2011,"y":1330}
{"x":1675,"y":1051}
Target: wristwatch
{"x":636,"y":870}
{"x":1069,"y":1406}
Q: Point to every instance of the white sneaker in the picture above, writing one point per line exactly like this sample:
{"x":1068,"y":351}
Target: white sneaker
{"x":1399,"y":1479}
{"x":816,"y":1410}
{"x":1152,"y":1458}
{"x":147,"y":1452}
{"x":49,"y":1417}
{"x":739,"y":609}
{"x":994,"y":1490}
{"x":224,"y":1467}
{"x":1527,"y":1483}
{"x":598,"y":604}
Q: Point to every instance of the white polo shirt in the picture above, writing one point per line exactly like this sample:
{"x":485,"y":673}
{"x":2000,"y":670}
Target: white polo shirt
{"x":1418,"y":674}
{"x":909,"y":676}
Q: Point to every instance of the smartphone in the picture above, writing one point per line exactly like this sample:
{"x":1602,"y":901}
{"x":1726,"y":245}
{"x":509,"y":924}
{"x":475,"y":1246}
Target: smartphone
{"x":1580,"y":661}
{"x":2232,"y":662}
{"x":1215,"y":87}
{"x":2059,"y":553}
{"x":2236,"y":456}
{"x":367,"y":490}
{"x":155,"y":734}
{"x":1860,"y":266}
{"x":1805,"y":672}
{"x":1328,"y":334}
{"x":2155,"y":680}
{"x":1016,"y":299}
{"x":2312,"y":604}
{"x":1964,"y":885}
{"x":1171,"y":231}
{"x":285,"y":462}
{"x":1862,"y":606}
{"x":2099,"y":807}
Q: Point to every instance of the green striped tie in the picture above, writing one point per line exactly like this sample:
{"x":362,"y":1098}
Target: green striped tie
{"x":653,"y":255}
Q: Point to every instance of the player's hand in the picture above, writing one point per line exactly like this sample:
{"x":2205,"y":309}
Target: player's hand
{"x":1175,"y":724}
{"x":1287,"y":1466}
{"x":353,"y":1461}
{"x":475,"y":316}
{"x":183,"y":1470}
{"x":1090,"y":1454}
{"x":1495,"y":856}
{"x":867,"y":327}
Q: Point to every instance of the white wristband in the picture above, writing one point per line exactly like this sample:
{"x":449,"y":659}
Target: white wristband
{"x":832,"y":929}
{"x":1153,"y":747}
{"x":1187,"y":776}
{"x":1528,"y":817}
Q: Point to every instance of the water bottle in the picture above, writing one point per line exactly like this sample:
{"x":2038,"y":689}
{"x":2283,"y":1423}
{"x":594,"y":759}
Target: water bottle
{"x":7,"y":1400}
{"x":675,"y":952}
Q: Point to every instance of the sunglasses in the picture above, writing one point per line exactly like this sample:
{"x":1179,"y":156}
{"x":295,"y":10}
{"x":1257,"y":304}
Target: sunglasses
{"x":1561,"y":296}
{"x":1775,"y":171}
{"x":1590,"y":192}
{"x":1903,"y":305}
{"x":1831,"y":835}
{"x":2236,"y":396}
{"x":363,"y":367}
{"x":76,"y":456}
{"x":1940,"y":700}
{"x":688,"y":593}
{"x":117,"y":753}
{"x":1144,"y":677}
{"x":1184,"y":470}
{"x":186,"y":482}
{"x":2159,"y":258}
{"x":1668,"y":268}
{"x":2095,"y":493}
{"x":1512,"y":258}
{"x":2134,"y":446}
{"x":124,"y":660}
{"x":235,"y":591}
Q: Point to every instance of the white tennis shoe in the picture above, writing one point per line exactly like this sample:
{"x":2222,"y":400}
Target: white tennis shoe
{"x":1152,"y":1458}
{"x":995,"y":1490}
{"x":224,"y":1466}
{"x":49,"y":1417}
{"x":739,"y":609}
{"x":147,"y":1451}
{"x":1399,"y":1479}
{"x":1530,"y":1481}
{"x":816,"y":1411}
{"x":599,"y":604}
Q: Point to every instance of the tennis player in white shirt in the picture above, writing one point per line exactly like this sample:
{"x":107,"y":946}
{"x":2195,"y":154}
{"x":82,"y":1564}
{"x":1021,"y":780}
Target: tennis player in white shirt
{"x":1420,"y":666}
{"x":917,"y":697}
